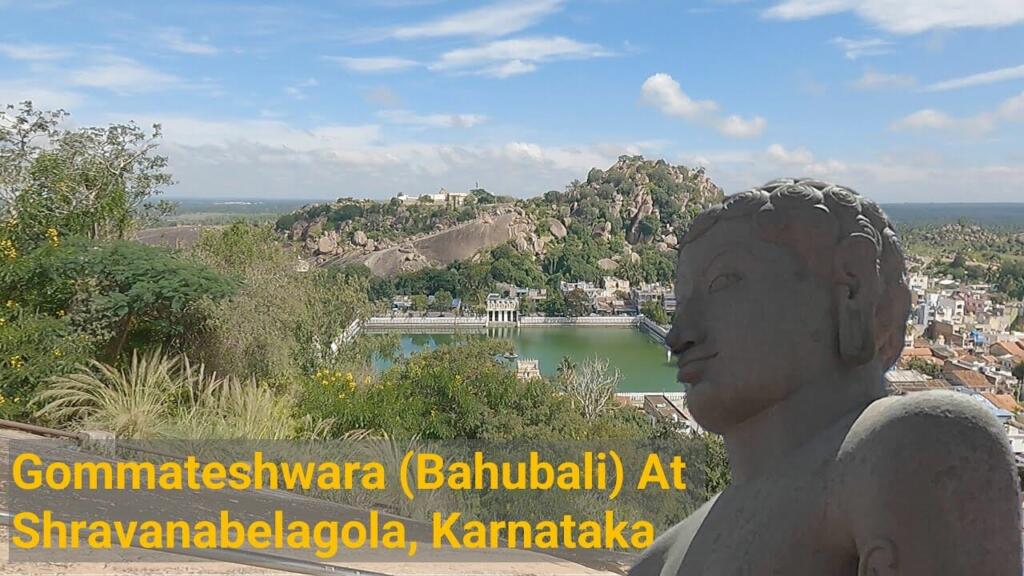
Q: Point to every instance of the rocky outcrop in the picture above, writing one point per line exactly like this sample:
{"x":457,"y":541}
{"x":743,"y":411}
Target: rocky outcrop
{"x":642,"y":201}
{"x":439,"y":249}
{"x":557,"y":228}
{"x":327,"y":244}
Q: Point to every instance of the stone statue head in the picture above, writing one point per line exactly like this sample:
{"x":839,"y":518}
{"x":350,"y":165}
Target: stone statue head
{"x":794,"y":284}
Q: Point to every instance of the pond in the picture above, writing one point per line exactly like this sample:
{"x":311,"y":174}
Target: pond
{"x":641,"y":361}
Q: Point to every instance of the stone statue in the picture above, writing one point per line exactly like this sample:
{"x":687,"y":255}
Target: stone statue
{"x":791,"y":304}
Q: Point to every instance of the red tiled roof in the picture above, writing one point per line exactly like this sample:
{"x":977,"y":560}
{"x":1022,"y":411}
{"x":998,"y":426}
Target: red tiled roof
{"x":1004,"y":401}
{"x":968,"y":379}
{"x":1008,"y":347}
{"x":916,"y":352}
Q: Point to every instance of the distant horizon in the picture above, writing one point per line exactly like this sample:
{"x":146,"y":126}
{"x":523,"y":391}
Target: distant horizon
{"x":266,"y":200}
{"x":912,"y":101}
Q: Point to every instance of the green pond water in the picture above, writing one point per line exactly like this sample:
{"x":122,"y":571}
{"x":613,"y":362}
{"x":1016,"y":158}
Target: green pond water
{"x":641,"y":361}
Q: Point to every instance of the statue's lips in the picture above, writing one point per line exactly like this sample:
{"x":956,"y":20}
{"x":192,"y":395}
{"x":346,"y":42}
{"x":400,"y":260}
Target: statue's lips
{"x":691,"y":368}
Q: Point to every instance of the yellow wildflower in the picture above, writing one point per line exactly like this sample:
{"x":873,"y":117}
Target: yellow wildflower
{"x":7,"y":249}
{"x":10,"y":304}
{"x":16,"y":362}
{"x":57,"y":353}
{"x":60,"y":313}
{"x":52,"y":237}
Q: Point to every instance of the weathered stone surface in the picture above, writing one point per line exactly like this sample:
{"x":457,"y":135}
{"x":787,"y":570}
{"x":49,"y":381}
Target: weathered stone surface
{"x":607,"y":264}
{"x":557,"y":228}
{"x":359,"y":238}
{"x":441,"y":248}
{"x":327,"y":244}
{"x":926,"y":483}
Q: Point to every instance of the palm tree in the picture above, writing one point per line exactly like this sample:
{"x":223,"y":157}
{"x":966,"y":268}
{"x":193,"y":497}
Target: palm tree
{"x":566,"y":369}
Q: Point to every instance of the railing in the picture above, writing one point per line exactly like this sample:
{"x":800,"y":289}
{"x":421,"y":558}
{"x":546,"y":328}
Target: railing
{"x":578,"y":321}
{"x":657,"y":331}
{"x":380,"y":321}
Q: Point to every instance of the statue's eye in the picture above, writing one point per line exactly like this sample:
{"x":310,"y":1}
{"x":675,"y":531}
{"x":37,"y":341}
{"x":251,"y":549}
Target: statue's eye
{"x":723,"y":281}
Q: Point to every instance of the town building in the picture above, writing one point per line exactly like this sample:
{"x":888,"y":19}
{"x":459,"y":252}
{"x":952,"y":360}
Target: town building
{"x":443,"y":196}
{"x":527,"y":368}
{"x":502,"y":310}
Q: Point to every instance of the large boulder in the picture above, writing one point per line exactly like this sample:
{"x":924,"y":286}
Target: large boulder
{"x":557,"y":228}
{"x":359,"y":238}
{"x":603,"y":230}
{"x":607,"y":264}
{"x":327,"y":244}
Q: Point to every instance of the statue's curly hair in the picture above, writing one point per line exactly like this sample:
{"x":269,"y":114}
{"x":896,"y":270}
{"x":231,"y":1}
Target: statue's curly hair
{"x":836,"y":212}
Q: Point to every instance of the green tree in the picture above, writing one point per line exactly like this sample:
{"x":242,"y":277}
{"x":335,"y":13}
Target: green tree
{"x":119,"y":294}
{"x":33,"y":348}
{"x":419,"y":302}
{"x":715,"y":465}
{"x":281,"y":323}
{"x":577,"y":303}
{"x":442,"y":301}
{"x":1018,"y":372}
{"x":566,"y":369}
{"x":554,"y":304}
{"x":654,"y":310}
{"x":924,"y":367}
{"x":95,"y":181}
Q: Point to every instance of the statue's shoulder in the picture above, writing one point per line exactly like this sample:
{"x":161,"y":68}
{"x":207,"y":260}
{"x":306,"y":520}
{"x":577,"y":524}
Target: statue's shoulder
{"x":666,"y":553}
{"x":938,"y":416}
{"x":920,"y":433}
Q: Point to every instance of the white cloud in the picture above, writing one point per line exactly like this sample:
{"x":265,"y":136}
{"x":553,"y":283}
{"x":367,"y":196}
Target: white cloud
{"x":504,"y":58}
{"x":665,"y":94}
{"x":42,"y":96}
{"x":174,"y":39}
{"x":373,"y":64}
{"x":510,"y":68}
{"x":854,"y":49}
{"x":1010,"y":110}
{"x":779,"y":153}
{"x":909,"y":176}
{"x":123,"y":75}
{"x":908,"y":16}
{"x":662,"y":92}
{"x":990,"y":77}
{"x":493,"y":20}
{"x":926,"y":118}
{"x":873,"y":80}
{"x":382,"y":96}
{"x":409,"y":118}
{"x":736,"y":127}
{"x":298,"y":90}
{"x":33,"y":52}
{"x":271,"y":158}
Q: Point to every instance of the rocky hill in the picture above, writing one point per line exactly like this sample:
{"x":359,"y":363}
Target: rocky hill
{"x":633,"y":204}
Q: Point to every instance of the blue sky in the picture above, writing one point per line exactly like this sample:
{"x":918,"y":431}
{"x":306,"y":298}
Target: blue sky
{"x":904,"y":100}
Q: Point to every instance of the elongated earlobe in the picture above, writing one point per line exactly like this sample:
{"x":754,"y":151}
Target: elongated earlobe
{"x":856,"y":328}
{"x":856,"y":294}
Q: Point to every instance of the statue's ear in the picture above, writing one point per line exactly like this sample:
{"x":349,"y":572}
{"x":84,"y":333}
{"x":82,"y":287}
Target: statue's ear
{"x":856,"y":294}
